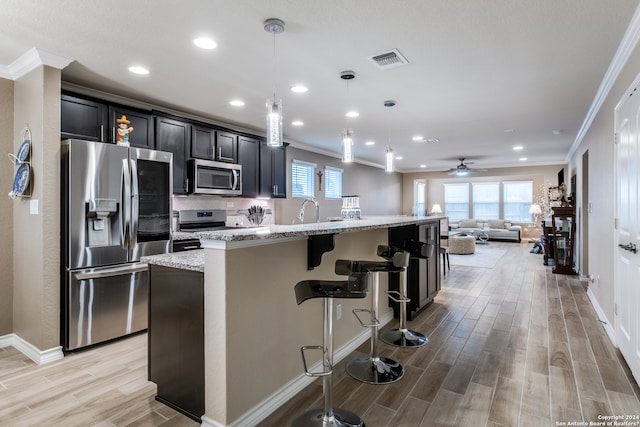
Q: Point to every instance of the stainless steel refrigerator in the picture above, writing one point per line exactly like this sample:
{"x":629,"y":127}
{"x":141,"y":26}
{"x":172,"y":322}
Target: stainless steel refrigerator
{"x":116,"y":207}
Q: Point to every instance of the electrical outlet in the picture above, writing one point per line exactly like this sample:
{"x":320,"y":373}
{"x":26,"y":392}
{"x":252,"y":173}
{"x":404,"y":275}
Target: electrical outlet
{"x":338,"y":311}
{"x":229,"y":204}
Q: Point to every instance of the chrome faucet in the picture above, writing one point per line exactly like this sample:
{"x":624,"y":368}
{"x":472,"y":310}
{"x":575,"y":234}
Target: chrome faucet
{"x":301,"y":213}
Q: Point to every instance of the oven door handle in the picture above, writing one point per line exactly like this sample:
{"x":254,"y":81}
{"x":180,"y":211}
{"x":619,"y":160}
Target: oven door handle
{"x":112,"y":272}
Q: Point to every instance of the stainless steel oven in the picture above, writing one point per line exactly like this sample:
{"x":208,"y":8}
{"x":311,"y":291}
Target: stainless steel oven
{"x":209,"y":177}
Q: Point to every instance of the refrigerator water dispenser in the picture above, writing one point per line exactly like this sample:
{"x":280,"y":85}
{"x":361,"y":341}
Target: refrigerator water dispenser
{"x":99,"y":214}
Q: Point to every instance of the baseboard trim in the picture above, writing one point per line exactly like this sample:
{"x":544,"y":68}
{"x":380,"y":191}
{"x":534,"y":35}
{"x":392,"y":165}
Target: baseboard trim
{"x":38,"y":356}
{"x":263,"y":409}
{"x":608,"y":327}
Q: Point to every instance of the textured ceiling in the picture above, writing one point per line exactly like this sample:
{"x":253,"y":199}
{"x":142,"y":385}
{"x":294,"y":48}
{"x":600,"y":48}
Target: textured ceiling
{"x":476,"y":68}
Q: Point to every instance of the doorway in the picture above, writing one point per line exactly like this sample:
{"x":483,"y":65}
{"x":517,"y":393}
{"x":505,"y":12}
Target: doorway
{"x":627,"y":230}
{"x":584,"y":218}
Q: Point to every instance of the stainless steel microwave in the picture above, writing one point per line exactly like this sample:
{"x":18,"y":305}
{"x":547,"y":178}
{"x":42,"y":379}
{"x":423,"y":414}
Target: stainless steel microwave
{"x":209,"y":177}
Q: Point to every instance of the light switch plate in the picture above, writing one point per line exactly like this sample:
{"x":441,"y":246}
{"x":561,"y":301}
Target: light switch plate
{"x":33,"y":207}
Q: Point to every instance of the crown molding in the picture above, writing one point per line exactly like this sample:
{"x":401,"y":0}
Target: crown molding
{"x":625,"y":49}
{"x":31,"y":60}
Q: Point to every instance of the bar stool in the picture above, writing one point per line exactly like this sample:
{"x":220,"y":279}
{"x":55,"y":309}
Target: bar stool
{"x":403,"y":337}
{"x":371,"y":368}
{"x":355,"y":286}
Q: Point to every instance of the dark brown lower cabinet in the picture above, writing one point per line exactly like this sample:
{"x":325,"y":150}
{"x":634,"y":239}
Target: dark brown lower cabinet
{"x":176,"y":338}
{"x":423,"y":278}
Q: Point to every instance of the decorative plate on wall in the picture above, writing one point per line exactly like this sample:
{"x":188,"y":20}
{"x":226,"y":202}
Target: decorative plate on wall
{"x":21,"y":180}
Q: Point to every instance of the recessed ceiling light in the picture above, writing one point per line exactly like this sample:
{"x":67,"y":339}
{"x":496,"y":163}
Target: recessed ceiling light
{"x":557,"y":132}
{"x":522,"y":159}
{"x":352,"y":114}
{"x":136,"y":69}
{"x":433,"y":140}
{"x":508,"y":130}
{"x":299,"y":89}
{"x":297,"y":123}
{"x":517,"y":147}
{"x":370,"y":143}
{"x":418,"y":138}
{"x":399,"y":157}
{"x":423,"y":166}
{"x":237,"y":103}
{"x":205,"y":43}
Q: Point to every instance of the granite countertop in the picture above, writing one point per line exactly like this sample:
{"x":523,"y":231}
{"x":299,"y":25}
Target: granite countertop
{"x":194,"y":260}
{"x":187,"y":260}
{"x":183,"y":235}
{"x":273,"y":232}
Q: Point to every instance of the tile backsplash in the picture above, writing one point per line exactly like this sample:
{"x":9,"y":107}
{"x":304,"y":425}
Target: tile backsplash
{"x":236,"y":207}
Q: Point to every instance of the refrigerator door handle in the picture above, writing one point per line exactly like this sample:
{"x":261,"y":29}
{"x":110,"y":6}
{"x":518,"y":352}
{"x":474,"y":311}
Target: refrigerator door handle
{"x":111,"y":272}
{"x":125,"y":210}
{"x":135,"y":204}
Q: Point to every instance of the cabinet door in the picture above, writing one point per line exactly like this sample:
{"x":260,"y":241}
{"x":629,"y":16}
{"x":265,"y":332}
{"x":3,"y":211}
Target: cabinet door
{"x":273,"y":173}
{"x":226,"y":147}
{"x":266,"y":171}
{"x":141,"y":122}
{"x":173,"y":136}
{"x":249,"y":158}
{"x":280,"y":172}
{"x":203,"y":142}
{"x":82,"y":119}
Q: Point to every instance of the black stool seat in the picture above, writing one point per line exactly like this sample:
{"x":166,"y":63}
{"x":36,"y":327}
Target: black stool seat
{"x":308,"y":289}
{"x":403,"y":337}
{"x":356,"y":286}
{"x":372,"y":368}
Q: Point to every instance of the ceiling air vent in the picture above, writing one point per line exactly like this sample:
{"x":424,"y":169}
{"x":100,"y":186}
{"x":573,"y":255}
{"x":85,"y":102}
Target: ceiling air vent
{"x":389,"y":59}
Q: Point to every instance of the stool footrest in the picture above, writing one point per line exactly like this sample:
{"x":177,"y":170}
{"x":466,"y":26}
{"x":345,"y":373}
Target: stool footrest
{"x":400,"y":298}
{"x":304,"y":361}
{"x":375,"y":322}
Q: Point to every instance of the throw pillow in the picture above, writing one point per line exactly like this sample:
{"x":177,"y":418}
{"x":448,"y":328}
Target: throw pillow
{"x":496,"y":223}
{"x":468,"y":223}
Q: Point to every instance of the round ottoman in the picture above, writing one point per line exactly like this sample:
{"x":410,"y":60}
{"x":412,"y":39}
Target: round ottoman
{"x":462,"y":245}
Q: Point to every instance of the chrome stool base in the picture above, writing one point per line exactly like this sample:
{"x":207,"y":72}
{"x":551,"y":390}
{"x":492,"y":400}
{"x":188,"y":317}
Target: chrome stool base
{"x":379,"y":370}
{"x":318,"y":418}
{"x":403,"y":338}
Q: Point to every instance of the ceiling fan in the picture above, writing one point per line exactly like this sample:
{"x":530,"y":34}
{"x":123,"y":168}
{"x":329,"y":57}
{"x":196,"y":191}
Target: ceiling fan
{"x":463,"y":169}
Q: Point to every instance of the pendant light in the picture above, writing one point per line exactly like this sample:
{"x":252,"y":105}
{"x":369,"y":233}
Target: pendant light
{"x":274,"y":106}
{"x":388,"y":163}
{"x":347,"y":134}
{"x":347,"y":146}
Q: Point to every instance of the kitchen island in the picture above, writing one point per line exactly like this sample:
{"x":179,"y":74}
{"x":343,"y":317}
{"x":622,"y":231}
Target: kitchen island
{"x":253,"y":328}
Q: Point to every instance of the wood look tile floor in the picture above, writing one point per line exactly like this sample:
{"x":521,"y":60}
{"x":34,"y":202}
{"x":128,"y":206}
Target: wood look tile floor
{"x":510,"y":346}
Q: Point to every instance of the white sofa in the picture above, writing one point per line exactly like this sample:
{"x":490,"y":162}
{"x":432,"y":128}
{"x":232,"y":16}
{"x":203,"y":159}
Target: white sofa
{"x":496,"y":229}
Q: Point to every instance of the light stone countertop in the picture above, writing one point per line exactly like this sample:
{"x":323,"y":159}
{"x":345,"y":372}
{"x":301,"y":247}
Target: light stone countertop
{"x":274,"y":232}
{"x":183,"y":235}
{"x":187,"y":260}
{"x":194,"y":260}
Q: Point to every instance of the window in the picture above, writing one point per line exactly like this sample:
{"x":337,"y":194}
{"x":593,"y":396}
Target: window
{"x":332,"y":183}
{"x":302,"y":178}
{"x":486,"y":200}
{"x":518,"y":196}
{"x":418,"y":197}
{"x":456,"y":201}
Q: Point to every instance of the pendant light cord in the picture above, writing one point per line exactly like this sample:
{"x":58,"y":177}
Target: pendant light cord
{"x":274,"y":67}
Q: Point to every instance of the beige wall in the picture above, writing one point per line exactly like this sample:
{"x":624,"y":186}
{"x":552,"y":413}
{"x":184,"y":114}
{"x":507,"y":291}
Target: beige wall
{"x":36,"y":246}
{"x":601,"y":193}
{"x":8,"y":144}
{"x":435,"y":181}
{"x":380,"y":192}
{"x":256,"y":309}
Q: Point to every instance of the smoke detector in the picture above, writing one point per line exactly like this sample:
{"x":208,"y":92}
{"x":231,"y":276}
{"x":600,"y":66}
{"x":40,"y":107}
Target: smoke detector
{"x":389,"y":59}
